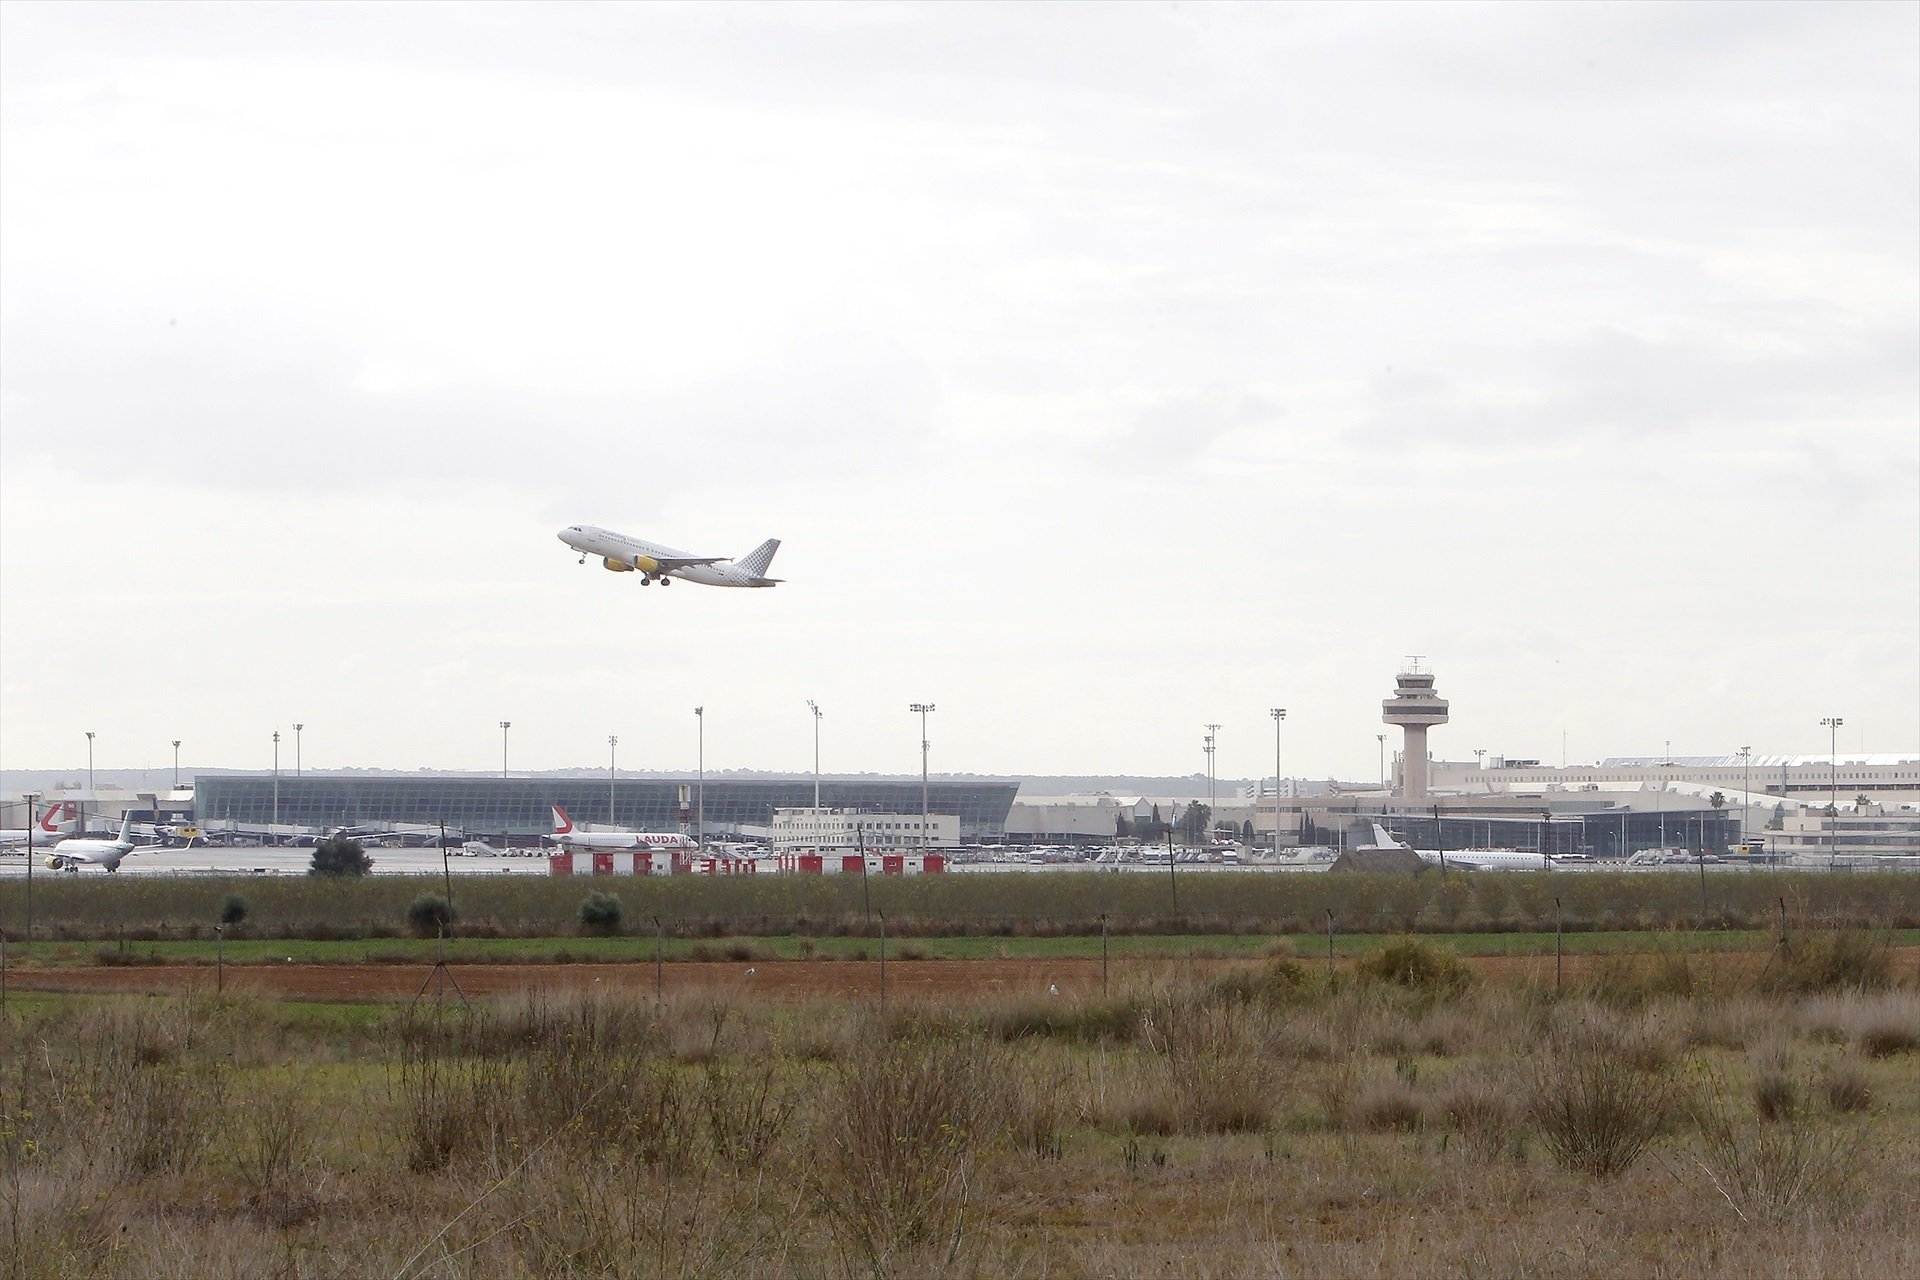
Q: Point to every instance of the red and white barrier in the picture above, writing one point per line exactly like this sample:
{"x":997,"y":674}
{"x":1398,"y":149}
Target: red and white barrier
{"x":662,"y":862}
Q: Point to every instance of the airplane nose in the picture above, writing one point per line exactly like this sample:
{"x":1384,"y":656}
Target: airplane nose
{"x":562,"y":535}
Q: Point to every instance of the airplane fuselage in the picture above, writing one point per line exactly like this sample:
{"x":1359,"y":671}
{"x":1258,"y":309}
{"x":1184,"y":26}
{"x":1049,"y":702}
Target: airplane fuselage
{"x":656,"y":562}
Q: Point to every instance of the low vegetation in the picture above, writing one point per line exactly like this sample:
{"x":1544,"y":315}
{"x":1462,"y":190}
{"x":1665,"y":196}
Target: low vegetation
{"x":1391,"y":1119}
{"x":339,"y":902}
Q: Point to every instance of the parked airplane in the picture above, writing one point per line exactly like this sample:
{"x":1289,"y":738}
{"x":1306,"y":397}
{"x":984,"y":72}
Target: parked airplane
{"x":1474,"y":859}
{"x":71,"y":855}
{"x":567,"y":838}
{"x":656,"y":563}
{"x":52,"y":825}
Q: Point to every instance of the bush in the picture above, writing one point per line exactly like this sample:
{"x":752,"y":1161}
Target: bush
{"x":1843,"y":960}
{"x":600,"y":912}
{"x":1595,"y":1111}
{"x":1844,"y":1084}
{"x":233,"y":910}
{"x":1767,"y":1172}
{"x":429,"y":914}
{"x":339,"y":856}
{"x":1416,"y":966}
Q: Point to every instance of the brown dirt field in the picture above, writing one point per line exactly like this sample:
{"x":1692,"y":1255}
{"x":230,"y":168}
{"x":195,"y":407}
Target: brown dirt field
{"x":780,"y":979}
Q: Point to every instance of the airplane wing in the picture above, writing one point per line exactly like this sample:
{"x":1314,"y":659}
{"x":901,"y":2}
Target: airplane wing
{"x":670,"y":563}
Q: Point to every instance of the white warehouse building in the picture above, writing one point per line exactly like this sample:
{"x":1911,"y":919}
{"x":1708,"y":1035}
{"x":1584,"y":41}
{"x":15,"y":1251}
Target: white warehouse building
{"x":795,"y":829}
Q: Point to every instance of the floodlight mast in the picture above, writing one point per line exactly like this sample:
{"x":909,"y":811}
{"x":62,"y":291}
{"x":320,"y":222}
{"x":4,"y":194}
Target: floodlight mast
{"x":1279,"y":715}
{"x":504,"y":726}
{"x":1832,"y":724}
{"x":814,"y":708}
{"x":925,"y":808}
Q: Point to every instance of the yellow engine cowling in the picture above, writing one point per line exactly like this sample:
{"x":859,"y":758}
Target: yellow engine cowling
{"x":618,"y":566}
{"x":646,"y":564}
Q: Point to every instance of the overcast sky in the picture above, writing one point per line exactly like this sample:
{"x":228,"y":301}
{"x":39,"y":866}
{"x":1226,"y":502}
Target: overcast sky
{"x":1106,"y":370}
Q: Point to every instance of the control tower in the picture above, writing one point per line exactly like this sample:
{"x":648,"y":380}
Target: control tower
{"x":1414,"y":706}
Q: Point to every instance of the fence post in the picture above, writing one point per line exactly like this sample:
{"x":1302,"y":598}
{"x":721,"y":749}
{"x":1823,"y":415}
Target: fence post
{"x":219,"y":959}
{"x":1783,"y":922}
{"x":659,"y":942}
{"x":1329,"y":946}
{"x":1103,"y":955}
{"x":883,"y":962}
{"x":1557,"y":951}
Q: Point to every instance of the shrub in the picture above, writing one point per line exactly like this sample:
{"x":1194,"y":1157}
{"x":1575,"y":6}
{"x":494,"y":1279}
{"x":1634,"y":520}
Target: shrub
{"x":1416,"y":966}
{"x":1595,"y":1111}
{"x":428,"y":915}
{"x":1481,"y":1110}
{"x":1385,"y":1104}
{"x":1840,"y":960}
{"x":600,"y":912}
{"x":1765,"y":1172}
{"x":339,"y":856}
{"x":233,"y":909}
{"x":1844,"y":1085}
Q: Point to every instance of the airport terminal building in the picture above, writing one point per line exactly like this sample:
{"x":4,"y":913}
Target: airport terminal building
{"x":519,"y":809}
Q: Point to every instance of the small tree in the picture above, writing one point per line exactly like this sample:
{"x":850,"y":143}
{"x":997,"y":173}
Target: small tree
{"x":233,"y":910}
{"x":1193,"y":823}
{"x":1246,"y":831}
{"x":1121,"y":827}
{"x":1861,"y":801}
{"x":429,"y":914}
{"x":339,"y":856}
{"x":1717,"y":800}
{"x":600,"y":912}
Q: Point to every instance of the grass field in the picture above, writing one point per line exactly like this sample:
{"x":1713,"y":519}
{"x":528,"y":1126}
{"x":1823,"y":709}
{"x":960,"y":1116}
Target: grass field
{"x":1397,"y":1119}
{"x":746,"y":949}
{"x":948,"y":906}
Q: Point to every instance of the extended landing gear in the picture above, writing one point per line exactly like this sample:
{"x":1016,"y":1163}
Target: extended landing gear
{"x":666,"y":581}
{"x":646,"y":582}
{"x":583,"y":559}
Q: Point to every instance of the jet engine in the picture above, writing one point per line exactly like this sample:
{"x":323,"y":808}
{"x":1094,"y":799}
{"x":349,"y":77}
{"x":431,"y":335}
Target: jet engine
{"x":618,"y":566}
{"x":646,"y":564}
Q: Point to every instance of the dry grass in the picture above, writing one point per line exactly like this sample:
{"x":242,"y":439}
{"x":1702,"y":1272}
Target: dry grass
{"x":1283,"y":1125}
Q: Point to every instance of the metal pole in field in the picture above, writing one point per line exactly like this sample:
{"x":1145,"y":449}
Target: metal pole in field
{"x":700,"y":789}
{"x":925,"y":809}
{"x":176,"y":764}
{"x":883,"y":962}
{"x":219,"y":958}
{"x":659,"y":976}
{"x":1329,"y":946}
{"x":1832,"y":805}
{"x":276,"y":777}
{"x":1279,"y":715}
{"x":504,"y":726}
{"x":1558,"y":951}
{"x":1173,"y":881}
{"x":1103,"y":954}
{"x":814,"y":708}
{"x":297,"y":727}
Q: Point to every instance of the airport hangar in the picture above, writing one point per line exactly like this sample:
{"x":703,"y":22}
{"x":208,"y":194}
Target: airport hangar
{"x":518,"y":810}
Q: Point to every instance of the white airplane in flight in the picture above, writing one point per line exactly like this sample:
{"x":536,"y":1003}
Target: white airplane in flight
{"x":654,"y":562}
{"x":50,"y":828}
{"x":71,"y":855}
{"x":567,"y":838}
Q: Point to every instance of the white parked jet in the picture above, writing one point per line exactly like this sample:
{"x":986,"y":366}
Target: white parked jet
{"x":1475,"y":859}
{"x":567,"y":838}
{"x":654,"y":562}
{"x":71,"y":855}
{"x":52,"y":825}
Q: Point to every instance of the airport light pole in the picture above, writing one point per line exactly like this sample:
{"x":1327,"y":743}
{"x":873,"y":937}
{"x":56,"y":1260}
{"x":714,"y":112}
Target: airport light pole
{"x":925,"y":809}
{"x":700,"y":787}
{"x":1746,"y":791}
{"x":814,"y":707}
{"x":1213,"y":797}
{"x":276,"y":777}
{"x":612,"y":743}
{"x":297,"y":727}
{"x":1381,"y":738}
{"x":504,"y":726}
{"x":33,"y":802}
{"x":1279,"y":715}
{"x":89,"y":767}
{"x":1833,"y":724}
{"x":176,"y":764}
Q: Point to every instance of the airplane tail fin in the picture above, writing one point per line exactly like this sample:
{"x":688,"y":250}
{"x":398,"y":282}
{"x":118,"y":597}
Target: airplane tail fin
{"x":562,"y":824}
{"x":126,"y":828}
{"x":57,"y":817}
{"x":758,"y":560}
{"x":1381,"y":840}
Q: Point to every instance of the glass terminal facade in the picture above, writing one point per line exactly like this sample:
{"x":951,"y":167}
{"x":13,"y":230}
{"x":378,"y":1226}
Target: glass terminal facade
{"x":519,"y":807}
